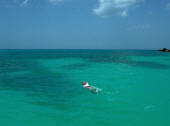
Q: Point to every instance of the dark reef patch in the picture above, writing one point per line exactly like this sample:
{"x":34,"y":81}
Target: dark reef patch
{"x":75,"y":66}
{"x":148,"y":64}
{"x":44,"y":87}
{"x":35,"y":80}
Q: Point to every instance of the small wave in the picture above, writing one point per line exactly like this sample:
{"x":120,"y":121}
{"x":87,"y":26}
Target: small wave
{"x":149,"y":107}
{"x":96,"y":90}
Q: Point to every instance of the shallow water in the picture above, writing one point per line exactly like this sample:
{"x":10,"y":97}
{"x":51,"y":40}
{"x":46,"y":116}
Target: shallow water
{"x":43,"y":88}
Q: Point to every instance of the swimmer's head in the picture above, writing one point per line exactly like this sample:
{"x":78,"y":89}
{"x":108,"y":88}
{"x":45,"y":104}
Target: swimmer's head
{"x":84,"y":83}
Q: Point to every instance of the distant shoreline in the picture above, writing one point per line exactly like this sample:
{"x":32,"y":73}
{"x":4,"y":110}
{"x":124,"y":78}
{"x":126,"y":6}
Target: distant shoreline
{"x":164,"y":50}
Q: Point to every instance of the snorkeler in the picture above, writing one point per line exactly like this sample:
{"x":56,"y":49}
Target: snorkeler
{"x":93,"y":89}
{"x":86,"y":85}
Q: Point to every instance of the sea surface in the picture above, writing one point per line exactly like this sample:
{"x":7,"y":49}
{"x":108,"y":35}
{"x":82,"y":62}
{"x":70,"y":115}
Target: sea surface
{"x":43,"y":88}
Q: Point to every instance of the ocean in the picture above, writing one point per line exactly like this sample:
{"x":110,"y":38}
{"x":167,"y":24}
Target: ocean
{"x":43,"y":88}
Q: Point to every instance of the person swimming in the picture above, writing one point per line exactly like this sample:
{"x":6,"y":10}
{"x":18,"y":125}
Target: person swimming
{"x":86,"y":85}
{"x":90,"y":88}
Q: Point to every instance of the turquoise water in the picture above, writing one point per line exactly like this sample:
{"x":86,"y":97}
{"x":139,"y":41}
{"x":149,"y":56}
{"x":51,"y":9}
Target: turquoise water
{"x":43,"y":88}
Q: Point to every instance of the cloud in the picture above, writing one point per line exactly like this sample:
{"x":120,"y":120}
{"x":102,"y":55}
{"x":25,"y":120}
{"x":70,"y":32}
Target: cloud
{"x":140,"y":27}
{"x":24,"y":3}
{"x":124,"y":14}
{"x":150,"y":13}
{"x":168,"y":6}
{"x":15,"y":1}
{"x":54,"y":2}
{"x":109,"y":7}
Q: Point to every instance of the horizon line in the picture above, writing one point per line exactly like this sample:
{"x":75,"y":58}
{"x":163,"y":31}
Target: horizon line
{"x":72,"y":49}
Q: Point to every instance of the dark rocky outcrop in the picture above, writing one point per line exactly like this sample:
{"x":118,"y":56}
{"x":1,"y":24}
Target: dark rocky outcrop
{"x":164,"y":50}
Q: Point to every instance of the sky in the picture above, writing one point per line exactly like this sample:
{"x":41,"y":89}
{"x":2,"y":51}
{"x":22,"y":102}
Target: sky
{"x":84,"y":24}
